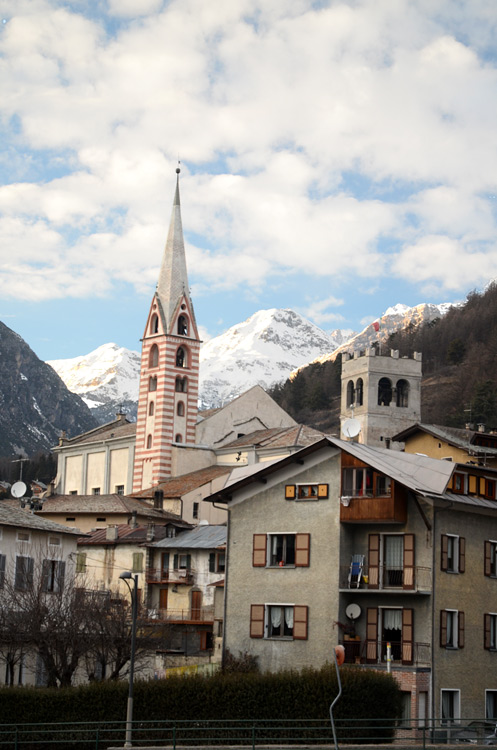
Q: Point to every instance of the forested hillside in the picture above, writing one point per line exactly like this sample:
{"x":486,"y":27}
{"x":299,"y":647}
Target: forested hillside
{"x":459,"y":370}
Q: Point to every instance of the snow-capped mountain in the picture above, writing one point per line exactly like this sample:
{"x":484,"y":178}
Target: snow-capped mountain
{"x":107,"y":380}
{"x":264,"y":349}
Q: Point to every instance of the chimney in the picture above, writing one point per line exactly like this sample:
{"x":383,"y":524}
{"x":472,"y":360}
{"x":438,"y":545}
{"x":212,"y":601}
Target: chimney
{"x":150,"y":532}
{"x":133,"y":523}
{"x":481,"y":427}
{"x":62,"y":437}
{"x":111,"y":533}
{"x":469,"y":426}
{"x":159,"y":499}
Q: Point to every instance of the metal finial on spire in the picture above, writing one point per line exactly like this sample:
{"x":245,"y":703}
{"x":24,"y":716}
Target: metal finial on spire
{"x":178,"y":170}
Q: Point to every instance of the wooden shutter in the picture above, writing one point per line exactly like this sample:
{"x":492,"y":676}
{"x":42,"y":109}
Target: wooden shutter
{"x":374,"y":561}
{"x":372,"y":635}
{"x":45,"y":575}
{"x":290,"y":492}
{"x":443,"y":628}
{"x":407,"y":636}
{"x":61,"y":575}
{"x":488,"y":558}
{"x":175,"y":562}
{"x":257,"y":620}
{"x":322,"y":490}
{"x":483,"y":488}
{"x":472,"y":484}
{"x":486,"y":631}
{"x":302,"y":550}
{"x":300,"y":616}
{"x":259,"y":551}
{"x":3,"y":559}
{"x":408,"y":577}
{"x":444,"y":546}
{"x":462,"y":554}
{"x":212,"y":562}
{"x":460,"y":630}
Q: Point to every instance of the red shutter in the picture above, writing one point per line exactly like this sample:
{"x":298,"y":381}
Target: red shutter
{"x":408,"y":578}
{"x":300,"y":617}
{"x":460,"y":630}
{"x":374,"y":561}
{"x":372,"y":635}
{"x":443,"y":628}
{"x":302,"y":550}
{"x":259,"y":551}
{"x":488,"y":559}
{"x":486,"y":631}
{"x":407,"y":636}
{"x":444,"y":560}
{"x":462,"y":554}
{"x":257,"y":620}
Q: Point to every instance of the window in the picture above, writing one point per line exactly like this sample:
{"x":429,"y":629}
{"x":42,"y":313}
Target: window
{"x":152,"y":383}
{"x":490,"y":631}
{"x":405,"y":721}
{"x":359,"y":392}
{"x":23,"y":580}
{"x":71,"y":518}
{"x":181,"y":385}
{"x":95,"y":490}
{"x":73,"y":492}
{"x":450,"y":706}
{"x":3,"y":560}
{"x":285,"y":621}
{"x":458,"y":483}
{"x":101,"y":519}
{"x":350,"y":393}
{"x":52,"y":576}
{"x":137,"y":562}
{"x":206,"y":640}
{"x":217,"y":562}
{"x":23,"y":536}
{"x":183,"y":325}
{"x":153,"y":357}
{"x":490,"y":489}
{"x":180,"y":409}
{"x":491,"y":559}
{"x":402,"y":393}
{"x":357,"y":482}
{"x":453,"y":553}
{"x":394,"y":625}
{"x":149,"y":441}
{"x":281,"y":550}
{"x":384,"y":392}
{"x":195,"y":510}
{"x":391,"y":561}
{"x":451,"y":628}
{"x":306,"y":492}
{"x":178,"y":438}
{"x":181,"y":357}
{"x":151,"y":409}
{"x":383,"y":486}
{"x":119,"y":489}
{"x":81,"y":562}
{"x":154,"y":324}
{"x":491,"y":704}
{"x":182,"y":562}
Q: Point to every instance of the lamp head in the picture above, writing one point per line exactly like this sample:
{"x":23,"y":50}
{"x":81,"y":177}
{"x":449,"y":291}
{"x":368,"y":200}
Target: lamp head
{"x":126,"y":575}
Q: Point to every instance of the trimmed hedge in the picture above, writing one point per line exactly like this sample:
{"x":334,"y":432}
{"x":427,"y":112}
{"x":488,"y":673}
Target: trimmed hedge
{"x":282,"y":696}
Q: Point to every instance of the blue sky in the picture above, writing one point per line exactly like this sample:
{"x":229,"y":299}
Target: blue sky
{"x":337,"y":158}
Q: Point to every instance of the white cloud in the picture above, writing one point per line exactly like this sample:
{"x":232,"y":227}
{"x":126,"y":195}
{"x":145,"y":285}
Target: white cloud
{"x":319,"y":312}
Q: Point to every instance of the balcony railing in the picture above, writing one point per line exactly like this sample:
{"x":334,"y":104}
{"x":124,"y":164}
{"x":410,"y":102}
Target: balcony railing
{"x":158,"y":575}
{"x":387,"y":578}
{"x":189,"y":614}
{"x":375,"y":652}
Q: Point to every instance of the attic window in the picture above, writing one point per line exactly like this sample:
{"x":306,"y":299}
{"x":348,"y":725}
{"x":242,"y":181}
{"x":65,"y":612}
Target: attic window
{"x":101,"y":520}
{"x":154,"y":324}
{"x":306,"y":491}
{"x":183,"y":325}
{"x":181,"y":358}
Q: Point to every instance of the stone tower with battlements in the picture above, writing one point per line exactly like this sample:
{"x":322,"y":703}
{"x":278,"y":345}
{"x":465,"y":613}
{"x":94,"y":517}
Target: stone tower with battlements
{"x":167,"y":405}
{"x":383,"y":393}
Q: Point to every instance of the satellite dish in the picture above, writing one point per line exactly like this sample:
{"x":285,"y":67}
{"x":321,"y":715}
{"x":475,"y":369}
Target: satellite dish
{"x":18,"y":489}
{"x":351,"y":428}
{"x":353,"y":611}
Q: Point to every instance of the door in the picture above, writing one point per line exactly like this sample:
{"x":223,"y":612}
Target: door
{"x":164,"y":566}
{"x":162,"y":598}
{"x":196,"y":605}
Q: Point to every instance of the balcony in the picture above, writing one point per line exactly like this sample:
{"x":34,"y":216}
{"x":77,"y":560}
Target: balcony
{"x":371,"y":509}
{"x":375,"y":652}
{"x":383,"y":579}
{"x":158,"y":575}
{"x":188,"y":615}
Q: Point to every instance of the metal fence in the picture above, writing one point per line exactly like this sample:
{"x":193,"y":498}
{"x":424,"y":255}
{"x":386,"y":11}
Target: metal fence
{"x":243,"y":733}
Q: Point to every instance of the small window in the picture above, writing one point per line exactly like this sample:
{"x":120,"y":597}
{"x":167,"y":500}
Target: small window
{"x":490,"y":631}
{"x":491,"y":704}
{"x":383,"y":486}
{"x":402,"y":393}
{"x":149,"y":441}
{"x":282,"y":549}
{"x":359,"y":392}
{"x":119,"y":489}
{"x":153,"y":357}
{"x":453,"y":553}
{"x":3,"y":560}
{"x":490,"y":489}
{"x":181,"y":357}
{"x":384,"y":392}
{"x":350,"y":393}
{"x":152,"y":383}
{"x":52,"y":576}
{"x":71,"y":518}
{"x":23,"y":579}
{"x":178,"y":438}
{"x":405,"y":721}
{"x":451,"y":628}
{"x":458,"y":483}
{"x":491,"y":559}
{"x":73,"y":492}
{"x":54,"y":541}
{"x":101,"y":519}
{"x":285,"y":621}
{"x":217,"y":562}
{"x":195,"y":510}
{"x":181,"y":385}
{"x":183,"y":325}
{"x":280,"y":621}
{"x":151,"y":409}
{"x":312,"y":491}
{"x":137,"y":562}
{"x":23,"y":536}
{"x":95,"y":490}
{"x":81,"y":562}
{"x":450,"y":708}
{"x":180,"y":409}
{"x":154,"y":324}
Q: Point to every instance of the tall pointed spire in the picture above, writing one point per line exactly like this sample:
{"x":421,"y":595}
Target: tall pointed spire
{"x":173,"y":277}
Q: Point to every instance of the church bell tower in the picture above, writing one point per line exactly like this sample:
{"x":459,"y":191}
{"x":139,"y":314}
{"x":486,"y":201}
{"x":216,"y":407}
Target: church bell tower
{"x":167,"y":404}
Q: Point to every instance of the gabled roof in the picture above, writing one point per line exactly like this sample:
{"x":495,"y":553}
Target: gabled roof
{"x":201,"y":537}
{"x":126,"y":534}
{"x":176,"y":487}
{"x":108,"y":504}
{"x":118,"y":428}
{"x":455,"y":436}
{"x":24,"y":519}
{"x":276,"y":437}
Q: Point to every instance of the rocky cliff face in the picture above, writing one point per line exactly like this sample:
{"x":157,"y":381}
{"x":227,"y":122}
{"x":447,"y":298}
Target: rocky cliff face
{"x":35,"y":404}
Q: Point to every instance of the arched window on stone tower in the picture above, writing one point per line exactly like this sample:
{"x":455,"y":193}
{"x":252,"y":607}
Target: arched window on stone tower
{"x":183,"y":325}
{"x":178,"y":439}
{"x":153,"y":357}
{"x":181,"y":358}
{"x":402,"y":393}
{"x":180,"y":409}
{"x":350,"y":393}
{"x":181,"y":385}
{"x":149,"y":441}
{"x":151,"y":409}
{"x":154,"y":324}
{"x":359,"y":392}
{"x":152,"y":384}
{"x":384,"y":392}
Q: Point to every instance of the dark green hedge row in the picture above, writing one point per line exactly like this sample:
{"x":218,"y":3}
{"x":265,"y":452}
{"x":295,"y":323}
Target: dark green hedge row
{"x":286,"y":695}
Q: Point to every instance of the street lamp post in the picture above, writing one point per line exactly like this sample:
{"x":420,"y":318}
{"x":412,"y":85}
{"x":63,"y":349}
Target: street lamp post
{"x":127,"y":576}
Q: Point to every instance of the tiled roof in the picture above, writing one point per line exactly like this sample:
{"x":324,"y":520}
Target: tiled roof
{"x":277,"y":437}
{"x":203,"y":536}
{"x":178,"y":486}
{"x":126,"y":534}
{"x":10,"y":516}
{"x":107,"y":504}
{"x":456,"y":436}
{"x":116,"y":429}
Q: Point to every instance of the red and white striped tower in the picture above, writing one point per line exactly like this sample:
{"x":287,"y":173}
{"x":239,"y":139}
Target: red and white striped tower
{"x":167,"y":405}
